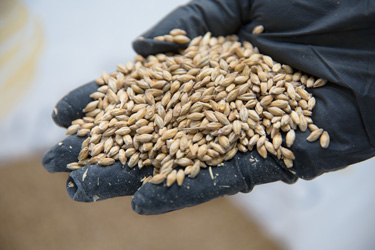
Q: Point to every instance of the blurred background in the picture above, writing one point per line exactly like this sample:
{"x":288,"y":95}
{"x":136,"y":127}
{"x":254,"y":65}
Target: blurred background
{"x":48,"y":48}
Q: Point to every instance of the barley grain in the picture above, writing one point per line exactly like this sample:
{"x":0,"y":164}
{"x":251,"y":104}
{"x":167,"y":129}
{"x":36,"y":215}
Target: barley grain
{"x":314,"y":135}
{"x":180,"y":177}
{"x":195,"y":169}
{"x":195,"y":108}
{"x":171,"y":178}
{"x":181,"y":39}
{"x":157,"y":179}
{"x":270,"y":148}
{"x":73,"y":166}
{"x":72,"y":129}
{"x":287,"y":153}
{"x":290,"y":138}
{"x":133,"y":160}
{"x":324,"y":140}
{"x":258,"y":29}
{"x":288,"y":162}
{"x":262,"y":151}
{"x":106,"y":161}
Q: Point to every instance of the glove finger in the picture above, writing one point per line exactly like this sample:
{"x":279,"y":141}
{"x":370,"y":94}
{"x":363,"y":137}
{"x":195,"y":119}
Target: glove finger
{"x":196,"y":18}
{"x":157,"y":199}
{"x":71,"y":106}
{"x":64,"y":152}
{"x":236,"y":175}
{"x":95,"y":182}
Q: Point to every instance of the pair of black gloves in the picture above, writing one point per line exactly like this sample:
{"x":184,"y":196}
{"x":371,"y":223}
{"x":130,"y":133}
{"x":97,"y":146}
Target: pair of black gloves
{"x":334,"y":40}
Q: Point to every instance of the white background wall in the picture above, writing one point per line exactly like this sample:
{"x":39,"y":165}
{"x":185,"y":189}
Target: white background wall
{"x":83,"y":38}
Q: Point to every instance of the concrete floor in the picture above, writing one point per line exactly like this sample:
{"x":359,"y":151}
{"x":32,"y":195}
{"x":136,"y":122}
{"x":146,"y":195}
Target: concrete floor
{"x":36,"y":213}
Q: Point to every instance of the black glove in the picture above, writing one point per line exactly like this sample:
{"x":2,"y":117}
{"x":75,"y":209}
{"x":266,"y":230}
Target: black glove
{"x":334,"y":41}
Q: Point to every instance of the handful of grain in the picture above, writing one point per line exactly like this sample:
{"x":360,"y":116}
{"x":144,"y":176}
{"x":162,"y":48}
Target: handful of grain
{"x":196,"y":109}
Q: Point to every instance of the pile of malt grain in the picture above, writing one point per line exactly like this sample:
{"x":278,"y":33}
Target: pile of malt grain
{"x":196,"y":109}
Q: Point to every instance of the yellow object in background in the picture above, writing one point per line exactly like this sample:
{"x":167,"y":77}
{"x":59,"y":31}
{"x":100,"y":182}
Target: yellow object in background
{"x":21,"y":41}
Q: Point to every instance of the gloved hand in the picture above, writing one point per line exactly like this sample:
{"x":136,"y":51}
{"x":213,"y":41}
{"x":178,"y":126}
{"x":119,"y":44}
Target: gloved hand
{"x":331,"y":40}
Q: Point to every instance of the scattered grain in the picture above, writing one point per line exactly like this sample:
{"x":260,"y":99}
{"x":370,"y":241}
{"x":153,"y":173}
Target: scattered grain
{"x":258,"y":29}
